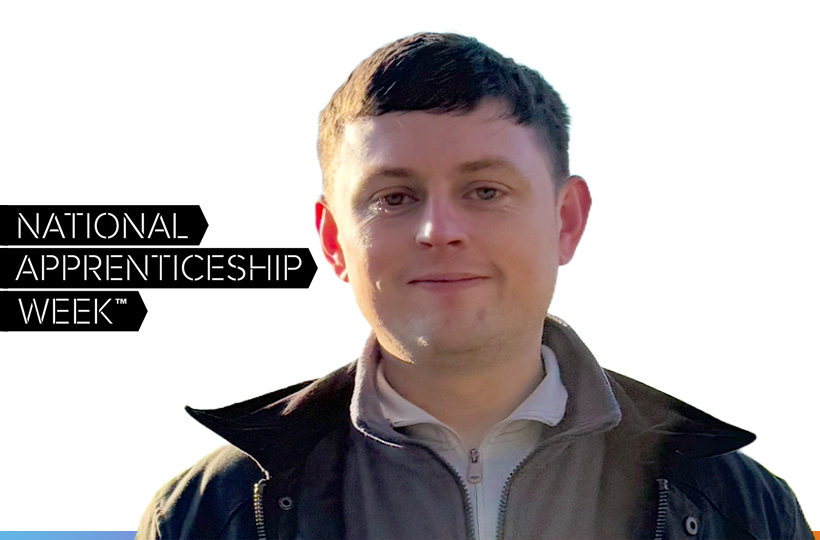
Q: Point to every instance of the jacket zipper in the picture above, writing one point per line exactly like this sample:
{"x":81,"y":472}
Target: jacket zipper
{"x":258,"y":510}
{"x":502,"y":507}
{"x":663,"y":508}
{"x":505,"y":493}
{"x":475,"y":471}
{"x":465,"y":495}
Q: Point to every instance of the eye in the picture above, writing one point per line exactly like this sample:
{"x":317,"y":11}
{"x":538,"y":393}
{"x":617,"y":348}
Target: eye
{"x":486,"y":193}
{"x":394,"y":199}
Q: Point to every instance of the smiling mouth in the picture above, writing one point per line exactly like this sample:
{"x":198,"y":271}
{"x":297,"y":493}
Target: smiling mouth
{"x":443,"y":280}
{"x":446,"y":277}
{"x":447,"y":281}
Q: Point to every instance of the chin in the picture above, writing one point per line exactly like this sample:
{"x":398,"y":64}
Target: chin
{"x":444,"y":339}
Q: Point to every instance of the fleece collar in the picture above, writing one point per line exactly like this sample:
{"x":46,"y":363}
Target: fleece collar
{"x":546,"y":404}
{"x":376,"y":408}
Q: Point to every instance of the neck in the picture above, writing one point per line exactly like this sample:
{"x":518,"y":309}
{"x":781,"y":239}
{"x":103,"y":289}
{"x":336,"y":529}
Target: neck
{"x":473,"y":392}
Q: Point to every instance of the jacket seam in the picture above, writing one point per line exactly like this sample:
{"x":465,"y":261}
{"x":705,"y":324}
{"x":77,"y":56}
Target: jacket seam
{"x":232,"y":514}
{"x":795,"y":513}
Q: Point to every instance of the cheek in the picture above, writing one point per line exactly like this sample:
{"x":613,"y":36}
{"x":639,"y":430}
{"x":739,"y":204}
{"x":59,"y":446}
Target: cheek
{"x":363,"y":240}
{"x":367,"y":262}
{"x":533,"y":260}
{"x":381,"y":249}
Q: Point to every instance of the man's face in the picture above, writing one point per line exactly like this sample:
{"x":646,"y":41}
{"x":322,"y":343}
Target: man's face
{"x":448,"y":228}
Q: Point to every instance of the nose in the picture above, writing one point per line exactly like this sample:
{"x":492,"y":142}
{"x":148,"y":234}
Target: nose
{"x":442,"y":224}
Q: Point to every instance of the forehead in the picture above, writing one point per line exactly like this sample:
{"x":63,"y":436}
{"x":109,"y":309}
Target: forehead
{"x":433,"y":144}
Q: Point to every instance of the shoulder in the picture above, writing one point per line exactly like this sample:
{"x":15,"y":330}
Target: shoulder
{"x":206,"y":501}
{"x":707,"y":474}
{"x":743,"y":493}
{"x":215,"y":497}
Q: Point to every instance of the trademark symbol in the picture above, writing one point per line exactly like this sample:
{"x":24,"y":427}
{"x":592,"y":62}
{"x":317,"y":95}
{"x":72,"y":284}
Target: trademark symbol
{"x":122,"y":300}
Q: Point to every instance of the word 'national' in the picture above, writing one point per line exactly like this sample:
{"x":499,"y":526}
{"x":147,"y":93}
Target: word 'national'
{"x":103,"y":225}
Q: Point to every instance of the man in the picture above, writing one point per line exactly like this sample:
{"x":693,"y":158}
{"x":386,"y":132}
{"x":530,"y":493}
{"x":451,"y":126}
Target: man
{"x":448,"y":206}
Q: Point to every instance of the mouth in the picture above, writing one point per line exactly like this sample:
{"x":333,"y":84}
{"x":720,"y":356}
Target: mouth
{"x":447,"y":282}
{"x":446,"y":278}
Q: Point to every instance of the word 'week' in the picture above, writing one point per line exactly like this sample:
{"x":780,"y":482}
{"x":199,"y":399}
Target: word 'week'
{"x":69,"y":311}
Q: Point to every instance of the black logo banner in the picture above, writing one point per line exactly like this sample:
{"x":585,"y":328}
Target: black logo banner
{"x":145,"y":268}
{"x":55,"y":311}
{"x":88,"y":225}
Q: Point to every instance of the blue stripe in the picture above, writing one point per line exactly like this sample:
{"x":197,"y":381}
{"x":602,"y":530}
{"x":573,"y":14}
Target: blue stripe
{"x":67,"y":535}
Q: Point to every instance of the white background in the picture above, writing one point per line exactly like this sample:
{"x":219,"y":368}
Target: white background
{"x":696,"y":125}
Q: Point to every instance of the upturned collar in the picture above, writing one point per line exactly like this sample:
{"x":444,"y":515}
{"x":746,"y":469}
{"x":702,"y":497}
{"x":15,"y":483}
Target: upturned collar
{"x":280,"y":428}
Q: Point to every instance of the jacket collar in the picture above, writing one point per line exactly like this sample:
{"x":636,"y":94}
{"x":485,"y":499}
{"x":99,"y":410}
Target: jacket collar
{"x":669,"y":429}
{"x":266,"y":427}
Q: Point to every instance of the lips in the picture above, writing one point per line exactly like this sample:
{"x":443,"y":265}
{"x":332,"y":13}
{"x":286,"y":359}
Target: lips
{"x":446,"y":278}
{"x":447,"y":281}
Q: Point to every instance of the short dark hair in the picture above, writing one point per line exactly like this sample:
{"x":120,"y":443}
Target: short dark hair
{"x":444,"y":73}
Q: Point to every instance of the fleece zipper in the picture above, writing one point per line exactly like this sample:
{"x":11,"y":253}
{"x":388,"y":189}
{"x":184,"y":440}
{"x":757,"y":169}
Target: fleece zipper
{"x":468,"y":506}
{"x":465,"y":494}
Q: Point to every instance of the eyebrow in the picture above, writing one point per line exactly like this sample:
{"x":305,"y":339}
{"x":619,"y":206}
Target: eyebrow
{"x":392,"y":172}
{"x":482,"y":164}
{"x":468,"y":167}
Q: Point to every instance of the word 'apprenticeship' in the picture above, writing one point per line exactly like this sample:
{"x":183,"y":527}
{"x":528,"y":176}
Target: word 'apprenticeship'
{"x":156,"y":268}
{"x":159,"y":266}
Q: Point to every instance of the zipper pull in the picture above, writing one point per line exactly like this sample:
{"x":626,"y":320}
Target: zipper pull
{"x":474,"y":468}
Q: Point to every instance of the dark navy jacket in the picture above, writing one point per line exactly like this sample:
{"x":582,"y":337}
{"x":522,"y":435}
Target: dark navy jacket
{"x":671,"y":471}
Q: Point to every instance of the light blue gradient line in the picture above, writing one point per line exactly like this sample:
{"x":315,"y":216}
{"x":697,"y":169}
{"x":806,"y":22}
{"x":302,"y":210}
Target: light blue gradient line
{"x":67,"y":535}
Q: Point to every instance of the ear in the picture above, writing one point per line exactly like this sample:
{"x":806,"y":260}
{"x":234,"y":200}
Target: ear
{"x":574,"y":202}
{"x":329,"y":237}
